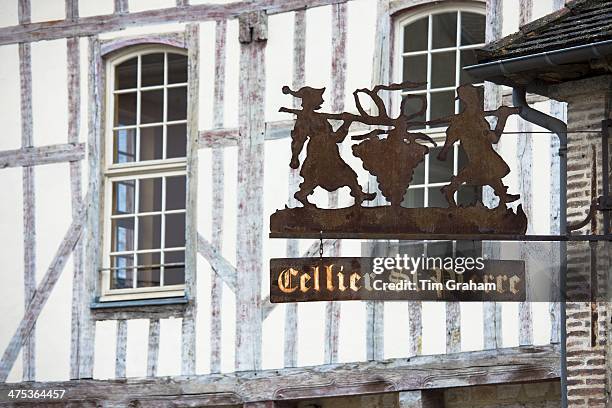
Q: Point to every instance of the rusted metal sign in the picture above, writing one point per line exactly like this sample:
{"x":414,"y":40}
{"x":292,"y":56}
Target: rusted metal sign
{"x":391,"y":152}
{"x":330,"y":279}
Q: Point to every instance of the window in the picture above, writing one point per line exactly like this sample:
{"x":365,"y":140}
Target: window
{"x":433,"y":47}
{"x":146,"y":175}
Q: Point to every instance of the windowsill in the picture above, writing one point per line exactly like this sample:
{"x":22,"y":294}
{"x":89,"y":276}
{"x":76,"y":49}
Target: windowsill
{"x":97,"y":305}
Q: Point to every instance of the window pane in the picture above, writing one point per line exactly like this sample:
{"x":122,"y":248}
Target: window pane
{"x":125,"y":109}
{"x":415,"y":35}
{"x":415,"y":70}
{"x":472,"y":28}
{"x":467,"y":195}
{"x":151,"y":143}
{"x":440,"y":171}
{"x":414,"y":198}
{"x":468,"y":57}
{"x":444,"y":30}
{"x":418,"y":176}
{"x":440,"y":249}
{"x":468,"y":248}
{"x":152,"y":106}
{"x":442,"y":105}
{"x":123,"y":234}
{"x":149,"y":232}
{"x":152,"y":71}
{"x":148,"y":276}
{"x":126,"y":74}
{"x":175,"y":230}
{"x":177,"y":68}
{"x":461,"y":158}
{"x":443,"y":69}
{"x":176,"y":141}
{"x":121,"y":278}
{"x":412,"y":105}
{"x":411,"y":248}
{"x":175,"y":193}
{"x":436,"y":198}
{"x":123,"y":197}
{"x":174,"y":275}
{"x":150,"y":195}
{"x":177,"y":103}
{"x":124,"y":146}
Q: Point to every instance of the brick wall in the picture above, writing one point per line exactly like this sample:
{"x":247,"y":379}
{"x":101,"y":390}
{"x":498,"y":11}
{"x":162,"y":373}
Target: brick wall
{"x":588,"y":104}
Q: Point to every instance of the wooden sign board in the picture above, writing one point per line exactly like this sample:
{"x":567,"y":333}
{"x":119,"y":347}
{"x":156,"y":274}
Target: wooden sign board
{"x":331,"y":279}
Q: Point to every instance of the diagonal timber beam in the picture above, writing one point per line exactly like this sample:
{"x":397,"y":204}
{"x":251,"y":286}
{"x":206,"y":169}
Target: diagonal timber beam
{"x":221,"y":266}
{"x":42,"y":292}
{"x":87,"y":26}
{"x":33,"y":156}
{"x":227,"y":272}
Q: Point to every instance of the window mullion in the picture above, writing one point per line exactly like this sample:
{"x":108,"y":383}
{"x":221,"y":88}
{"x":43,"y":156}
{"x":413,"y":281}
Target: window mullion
{"x":136,"y":223}
{"x":162,"y":238}
{"x":429,"y":45}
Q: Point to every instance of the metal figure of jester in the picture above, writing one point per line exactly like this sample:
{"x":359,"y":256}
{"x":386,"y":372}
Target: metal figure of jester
{"x":485,"y":166}
{"x":323,"y":165}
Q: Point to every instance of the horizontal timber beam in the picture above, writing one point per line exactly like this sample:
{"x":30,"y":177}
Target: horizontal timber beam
{"x":509,"y":365}
{"x":280,"y":129}
{"x":86,"y":26}
{"x":34,"y":156}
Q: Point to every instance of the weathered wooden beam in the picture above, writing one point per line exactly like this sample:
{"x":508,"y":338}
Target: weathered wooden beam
{"x":72,"y":10}
{"x":453,"y":327}
{"x":28,"y":188}
{"x":218,"y":194}
{"x":34,"y":156}
{"x":218,"y":263}
{"x":176,"y":39}
{"x":87,"y":26}
{"x":524,"y":161}
{"x":339,"y":23}
{"x":188,"y":353}
{"x":153,"y":348}
{"x":121,"y":6}
{"x":73,"y":56}
{"x":421,"y":399}
{"x":511,"y":365}
{"x":415,"y":328}
{"x":93,"y":235}
{"x":492,"y":324}
{"x":381,"y":74}
{"x":250,"y":190}
{"x":279,"y":129}
{"x":291,"y":337}
{"x":41,"y":294}
{"x":120,"y":348}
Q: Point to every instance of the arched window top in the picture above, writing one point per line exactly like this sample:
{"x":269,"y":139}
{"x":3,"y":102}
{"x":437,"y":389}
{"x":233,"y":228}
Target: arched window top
{"x":433,"y":44}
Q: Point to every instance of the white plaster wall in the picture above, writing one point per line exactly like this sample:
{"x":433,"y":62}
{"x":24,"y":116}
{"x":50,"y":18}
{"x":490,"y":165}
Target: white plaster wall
{"x":53,"y":203}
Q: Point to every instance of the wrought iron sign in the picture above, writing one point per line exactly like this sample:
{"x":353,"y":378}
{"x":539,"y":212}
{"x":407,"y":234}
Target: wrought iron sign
{"x":391,"y":152}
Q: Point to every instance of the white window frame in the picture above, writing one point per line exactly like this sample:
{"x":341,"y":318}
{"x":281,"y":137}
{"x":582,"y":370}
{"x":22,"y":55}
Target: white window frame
{"x":406,"y":18}
{"x":135,"y":170}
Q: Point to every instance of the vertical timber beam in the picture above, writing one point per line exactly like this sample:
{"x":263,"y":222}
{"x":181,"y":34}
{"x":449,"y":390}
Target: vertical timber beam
{"x":338,"y":81}
{"x":421,"y":399}
{"x":381,"y":74}
{"x":299,"y":75}
{"x":89,"y":284}
{"x":121,"y":7}
{"x":218,"y":191}
{"x":28,"y":186}
{"x":558,"y":110}
{"x":120,"y":348}
{"x":253,"y":34}
{"x":524,"y":162}
{"x":72,"y":10}
{"x":188,"y":354}
{"x":153,"y":348}
{"x":492,"y":313}
{"x":74,"y":125}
